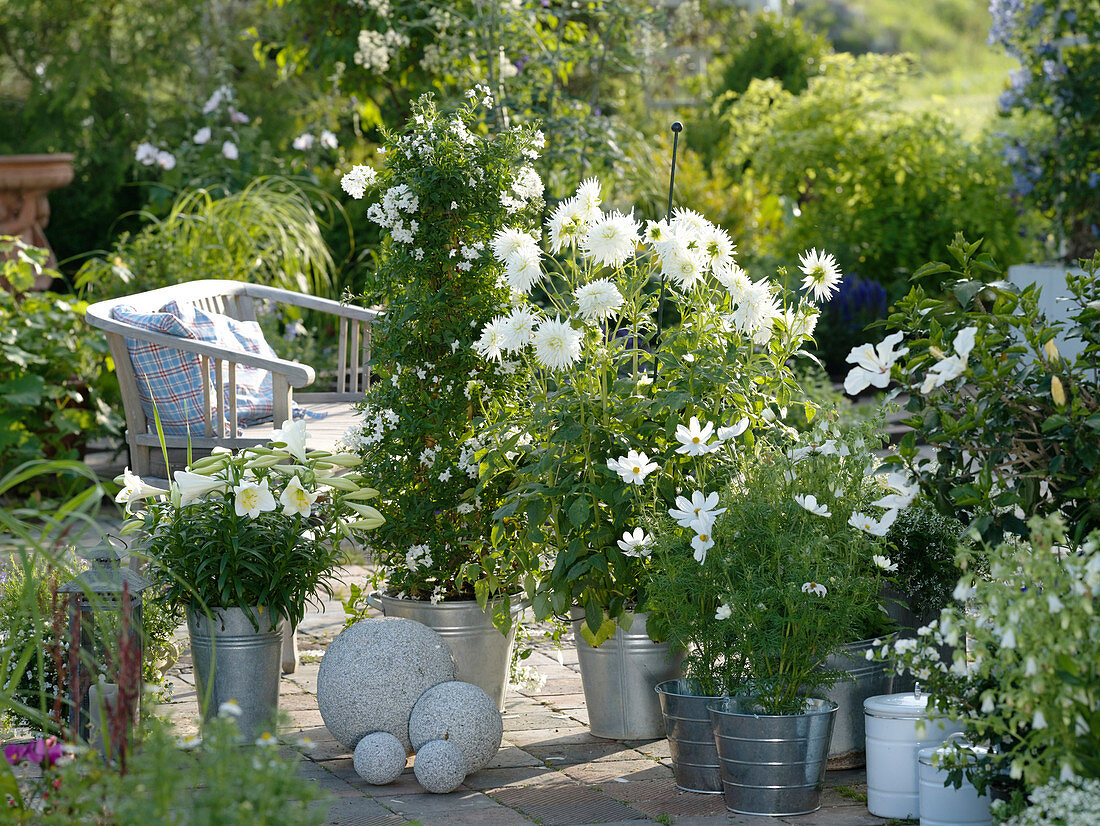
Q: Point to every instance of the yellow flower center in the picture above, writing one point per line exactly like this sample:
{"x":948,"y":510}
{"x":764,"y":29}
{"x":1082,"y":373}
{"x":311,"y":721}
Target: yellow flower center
{"x":695,"y":439}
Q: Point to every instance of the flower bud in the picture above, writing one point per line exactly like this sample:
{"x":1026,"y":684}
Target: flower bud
{"x":1057,"y":392}
{"x":1052,"y":350}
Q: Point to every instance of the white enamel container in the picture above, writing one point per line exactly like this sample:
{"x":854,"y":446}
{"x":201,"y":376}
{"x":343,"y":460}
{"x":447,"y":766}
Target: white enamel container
{"x":942,"y":805}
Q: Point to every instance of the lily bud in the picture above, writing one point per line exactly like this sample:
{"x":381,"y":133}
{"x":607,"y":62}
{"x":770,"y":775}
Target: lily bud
{"x":340,"y":483}
{"x":1057,"y":392}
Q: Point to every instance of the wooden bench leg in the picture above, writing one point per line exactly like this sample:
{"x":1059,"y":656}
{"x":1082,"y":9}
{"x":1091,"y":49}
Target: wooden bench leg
{"x":290,"y":649}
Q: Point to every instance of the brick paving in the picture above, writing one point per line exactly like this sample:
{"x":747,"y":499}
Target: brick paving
{"x":549,"y":770}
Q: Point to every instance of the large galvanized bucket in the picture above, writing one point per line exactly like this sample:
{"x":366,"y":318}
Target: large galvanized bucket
{"x":619,"y":679}
{"x":772,"y":764}
{"x":482,"y":654}
{"x":690,"y":736}
{"x":235,"y":661}
{"x":864,"y":679}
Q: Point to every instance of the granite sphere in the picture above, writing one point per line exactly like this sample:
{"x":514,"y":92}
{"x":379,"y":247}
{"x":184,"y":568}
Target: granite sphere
{"x":460,"y":713}
{"x":438,"y":766}
{"x":379,"y":758}
{"x":373,"y":673}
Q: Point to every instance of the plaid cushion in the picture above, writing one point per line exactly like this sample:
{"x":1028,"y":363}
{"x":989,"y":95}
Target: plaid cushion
{"x":254,"y":403}
{"x":172,"y":377}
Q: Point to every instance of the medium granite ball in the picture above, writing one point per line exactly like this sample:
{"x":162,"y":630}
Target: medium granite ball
{"x":372,"y":674}
{"x":379,"y":758}
{"x":438,"y":766}
{"x":460,"y":713}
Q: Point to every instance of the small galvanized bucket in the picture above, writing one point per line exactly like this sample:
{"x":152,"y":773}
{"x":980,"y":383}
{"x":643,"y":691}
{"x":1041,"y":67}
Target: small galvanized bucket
{"x":482,"y":654}
{"x":235,"y":661}
{"x":772,"y":764}
{"x":690,"y":736}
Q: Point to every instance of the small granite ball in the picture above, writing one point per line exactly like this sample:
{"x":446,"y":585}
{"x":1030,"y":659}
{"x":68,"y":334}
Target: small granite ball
{"x":438,"y":766}
{"x":372,"y":674}
{"x":379,"y":758}
{"x":460,"y":713}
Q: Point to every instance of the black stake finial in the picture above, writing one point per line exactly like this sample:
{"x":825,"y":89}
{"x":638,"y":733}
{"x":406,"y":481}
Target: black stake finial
{"x":677,"y":128}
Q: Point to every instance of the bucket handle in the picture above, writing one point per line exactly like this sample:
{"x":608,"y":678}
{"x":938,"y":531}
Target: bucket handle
{"x":374,"y":601}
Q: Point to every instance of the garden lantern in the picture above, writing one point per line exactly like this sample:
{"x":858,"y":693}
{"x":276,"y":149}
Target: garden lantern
{"x":105,"y":628}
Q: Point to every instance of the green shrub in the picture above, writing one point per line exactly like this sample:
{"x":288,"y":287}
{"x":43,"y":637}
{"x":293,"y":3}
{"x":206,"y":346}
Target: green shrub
{"x":925,"y":542}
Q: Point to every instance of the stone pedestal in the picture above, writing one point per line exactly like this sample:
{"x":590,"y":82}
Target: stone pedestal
{"x":25,"y":181}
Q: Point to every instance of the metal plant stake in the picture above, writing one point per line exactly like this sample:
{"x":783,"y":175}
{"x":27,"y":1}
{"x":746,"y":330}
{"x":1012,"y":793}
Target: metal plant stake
{"x":677,"y":128}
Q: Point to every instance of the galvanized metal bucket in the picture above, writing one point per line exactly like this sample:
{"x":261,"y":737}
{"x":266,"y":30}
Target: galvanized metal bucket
{"x":619,"y":679}
{"x":772,"y":764}
{"x":482,"y":654}
{"x":235,"y":661}
{"x":690,"y":736}
{"x":864,"y":679}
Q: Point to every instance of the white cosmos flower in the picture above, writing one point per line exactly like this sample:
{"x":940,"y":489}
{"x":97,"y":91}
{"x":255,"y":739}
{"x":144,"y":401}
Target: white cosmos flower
{"x":810,"y":503}
{"x":724,"y":612}
{"x":700,"y":505}
{"x":518,"y":328}
{"x":491,"y":345}
{"x":702,"y":541}
{"x":874,"y":527}
{"x":727,"y":433}
{"x":202,"y":136}
{"x":815,"y":588}
{"x":557,"y":344}
{"x":598,"y":299}
{"x":566,"y":225}
{"x":635,"y":544}
{"x":134,"y":489}
{"x":905,"y":491}
{"x":822,"y":274}
{"x":193,"y":486}
{"x":632,"y":468}
{"x":296,"y":499}
{"x":757,"y":309}
{"x":872,"y":364}
{"x":252,"y":498}
{"x":612,"y":240}
{"x":588,"y":200}
{"x":735,"y":280}
{"x":693,"y":437}
{"x":950,"y":367}
{"x":885,"y":563}
{"x":293,"y":434}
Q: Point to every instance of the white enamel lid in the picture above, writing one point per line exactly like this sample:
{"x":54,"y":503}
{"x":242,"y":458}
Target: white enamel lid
{"x":926,"y":755}
{"x":909,"y":705}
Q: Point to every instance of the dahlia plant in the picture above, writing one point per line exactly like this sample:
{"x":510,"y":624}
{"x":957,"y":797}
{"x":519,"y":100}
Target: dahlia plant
{"x":612,"y":396}
{"x":447,"y":187}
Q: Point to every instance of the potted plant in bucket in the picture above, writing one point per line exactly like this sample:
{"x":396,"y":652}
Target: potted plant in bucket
{"x":448,"y":185}
{"x":788,"y":574}
{"x":243,"y":541}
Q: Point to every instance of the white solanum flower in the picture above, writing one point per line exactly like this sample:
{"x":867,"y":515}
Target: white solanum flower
{"x":724,"y":612}
{"x":950,"y":367}
{"x":557,"y":344}
{"x":253,"y":498}
{"x":693,"y":437}
{"x":635,"y":543}
{"x":810,"y":503}
{"x":194,"y":486}
{"x":700,"y":505}
{"x":612,"y":240}
{"x":885,"y":563}
{"x":822,"y":274}
{"x":134,"y":489}
{"x":293,"y":434}
{"x":815,"y":588}
{"x":726,"y":433}
{"x":872,"y":364}
{"x":632,"y":468}
{"x":354,"y":182}
{"x":875,"y":527}
{"x":295,"y":499}
{"x":598,"y":299}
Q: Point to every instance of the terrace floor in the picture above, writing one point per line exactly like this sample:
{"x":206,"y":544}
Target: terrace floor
{"x":549,"y":770}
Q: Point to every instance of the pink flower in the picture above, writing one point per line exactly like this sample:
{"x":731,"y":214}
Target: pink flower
{"x":45,"y":751}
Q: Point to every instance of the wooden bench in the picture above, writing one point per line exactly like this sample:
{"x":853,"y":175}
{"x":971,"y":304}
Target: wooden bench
{"x":238,"y":300}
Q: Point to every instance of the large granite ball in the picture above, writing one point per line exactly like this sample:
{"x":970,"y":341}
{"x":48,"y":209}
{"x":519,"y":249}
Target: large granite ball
{"x":379,"y":758}
{"x":462,"y":714}
{"x":373,"y":673}
{"x":438,"y":766}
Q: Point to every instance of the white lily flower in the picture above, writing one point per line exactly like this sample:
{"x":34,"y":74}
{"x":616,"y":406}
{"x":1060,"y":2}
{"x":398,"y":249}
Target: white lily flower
{"x":950,"y":367}
{"x":134,"y":489}
{"x":700,"y":505}
{"x":810,"y":503}
{"x":252,"y":499}
{"x":296,"y":499}
{"x":632,"y":468}
{"x":693,"y":437}
{"x":294,"y":435}
{"x":193,"y":486}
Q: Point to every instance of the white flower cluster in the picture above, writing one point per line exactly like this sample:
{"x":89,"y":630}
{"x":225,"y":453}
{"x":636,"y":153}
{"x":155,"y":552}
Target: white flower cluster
{"x":1067,"y":801}
{"x":147,"y":154}
{"x":376,"y":50}
{"x":468,"y":453}
{"x":395,"y":201}
{"x":698,"y":514}
{"x":418,"y":556}
{"x":356,"y":181}
{"x":481,"y":94}
{"x":327,"y":140}
{"x":371,"y":430}
{"x":526,"y":187}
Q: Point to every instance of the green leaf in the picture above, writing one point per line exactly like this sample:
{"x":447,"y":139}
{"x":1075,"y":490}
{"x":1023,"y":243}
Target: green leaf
{"x":578,"y":511}
{"x":1054,"y":422}
{"x":593,"y":613}
{"x":25,"y":391}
